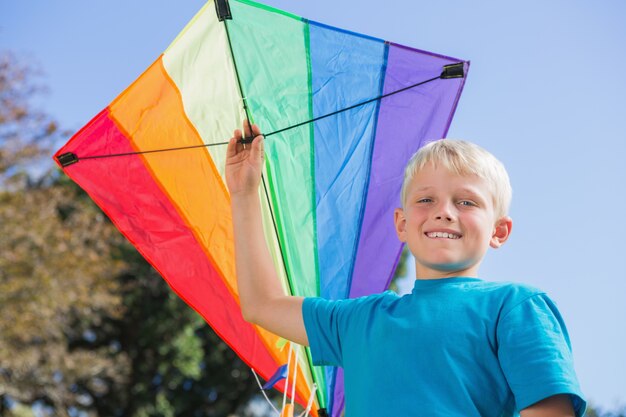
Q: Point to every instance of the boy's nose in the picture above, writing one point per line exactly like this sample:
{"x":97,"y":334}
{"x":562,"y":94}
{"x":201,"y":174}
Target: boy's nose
{"x":444,"y":217}
{"x":444,"y":212}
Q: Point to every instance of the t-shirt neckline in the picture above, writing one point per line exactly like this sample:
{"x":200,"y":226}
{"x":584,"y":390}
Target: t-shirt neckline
{"x":438,"y":282}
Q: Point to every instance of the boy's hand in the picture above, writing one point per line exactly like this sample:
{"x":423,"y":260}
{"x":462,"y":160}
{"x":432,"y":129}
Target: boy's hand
{"x":244,"y":162}
{"x":261,"y":296}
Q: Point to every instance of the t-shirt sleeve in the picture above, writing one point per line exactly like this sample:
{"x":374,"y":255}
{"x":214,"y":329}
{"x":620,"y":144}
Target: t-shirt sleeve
{"x":535,"y":353}
{"x":323,"y":321}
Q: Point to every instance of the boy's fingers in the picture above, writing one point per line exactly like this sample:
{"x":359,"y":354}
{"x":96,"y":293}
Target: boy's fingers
{"x":250,"y":129}
{"x":246,"y":128}
{"x":258,"y":152}
{"x":255,"y":130}
{"x":233,"y":144}
{"x":231,"y":149}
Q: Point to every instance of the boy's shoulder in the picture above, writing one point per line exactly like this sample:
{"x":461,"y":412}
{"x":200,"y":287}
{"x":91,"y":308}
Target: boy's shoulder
{"x":478,"y":287}
{"x":508,"y":295}
{"x":514,"y":290}
{"x":509,"y":291}
{"x":496,"y":297}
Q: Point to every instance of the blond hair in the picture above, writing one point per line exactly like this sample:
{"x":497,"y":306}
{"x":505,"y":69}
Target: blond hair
{"x":463,"y":158}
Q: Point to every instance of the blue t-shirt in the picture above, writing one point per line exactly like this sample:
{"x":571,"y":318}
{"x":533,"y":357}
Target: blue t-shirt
{"x":453,"y":347}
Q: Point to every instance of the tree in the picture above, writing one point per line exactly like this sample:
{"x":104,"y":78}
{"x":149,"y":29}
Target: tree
{"x":86,"y":324}
{"x":56,"y":268}
{"x":401,"y":270}
{"x":179,"y":366}
{"x":89,"y":325}
{"x":597,"y":412}
{"x":25,"y":132}
{"x":55,"y":261}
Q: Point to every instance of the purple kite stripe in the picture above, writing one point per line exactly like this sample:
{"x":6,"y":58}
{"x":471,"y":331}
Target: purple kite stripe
{"x":339,"y":400}
{"x":406,"y":121}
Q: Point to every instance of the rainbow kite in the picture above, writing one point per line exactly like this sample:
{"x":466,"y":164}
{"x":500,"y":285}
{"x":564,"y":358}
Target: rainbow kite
{"x":342,"y":113}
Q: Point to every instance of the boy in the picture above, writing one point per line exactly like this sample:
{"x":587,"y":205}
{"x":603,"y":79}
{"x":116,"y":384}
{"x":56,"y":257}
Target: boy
{"x":455,"y":346}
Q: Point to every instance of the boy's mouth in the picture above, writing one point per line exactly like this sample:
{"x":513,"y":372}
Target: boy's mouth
{"x":444,"y":235}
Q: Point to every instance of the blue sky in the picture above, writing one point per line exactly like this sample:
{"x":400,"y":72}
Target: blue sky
{"x":545,"y":94}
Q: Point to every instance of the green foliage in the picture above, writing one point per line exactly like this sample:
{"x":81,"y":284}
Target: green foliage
{"x":87,"y":327}
{"x":597,"y":412}
{"x":26,"y":133}
{"x":401,"y":269}
{"x":176,"y":360}
{"x":20,"y":411}
{"x":54,"y":271}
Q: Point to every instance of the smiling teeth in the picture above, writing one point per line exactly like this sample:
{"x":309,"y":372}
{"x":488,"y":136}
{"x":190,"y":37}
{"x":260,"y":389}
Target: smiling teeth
{"x":443,"y":234}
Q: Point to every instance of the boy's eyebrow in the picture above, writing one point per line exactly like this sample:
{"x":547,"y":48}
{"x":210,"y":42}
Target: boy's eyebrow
{"x":423,"y":188}
{"x":470,"y":190}
{"x":475,"y":193}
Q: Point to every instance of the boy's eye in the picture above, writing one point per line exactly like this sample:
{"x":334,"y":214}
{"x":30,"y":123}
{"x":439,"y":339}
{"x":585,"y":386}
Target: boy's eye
{"x":467,"y":203}
{"x":424,"y":200}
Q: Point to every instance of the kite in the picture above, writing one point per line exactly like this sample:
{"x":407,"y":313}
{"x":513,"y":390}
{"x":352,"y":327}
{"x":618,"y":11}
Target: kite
{"x":342,"y":113}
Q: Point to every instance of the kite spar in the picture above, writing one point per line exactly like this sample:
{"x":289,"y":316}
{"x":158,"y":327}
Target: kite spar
{"x":342,"y":112}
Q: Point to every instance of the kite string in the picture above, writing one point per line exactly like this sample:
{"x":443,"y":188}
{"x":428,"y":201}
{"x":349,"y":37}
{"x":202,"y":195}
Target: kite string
{"x":309,"y":404}
{"x":263,"y":392}
{"x":287,"y":377}
{"x":294,"y":378}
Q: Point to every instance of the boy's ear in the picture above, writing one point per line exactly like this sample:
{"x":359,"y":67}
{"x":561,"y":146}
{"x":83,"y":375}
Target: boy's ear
{"x":501,"y":232}
{"x":400,"y":222}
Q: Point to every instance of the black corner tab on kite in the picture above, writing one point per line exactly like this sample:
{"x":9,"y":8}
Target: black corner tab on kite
{"x":223,"y":10}
{"x":453,"y":71}
{"x":67,"y":159}
{"x":322,"y":412}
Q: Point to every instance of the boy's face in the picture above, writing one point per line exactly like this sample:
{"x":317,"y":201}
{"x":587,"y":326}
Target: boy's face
{"x":448,"y":222}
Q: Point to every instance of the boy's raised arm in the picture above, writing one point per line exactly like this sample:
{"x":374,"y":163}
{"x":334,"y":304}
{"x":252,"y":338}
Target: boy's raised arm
{"x":261,"y":296}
